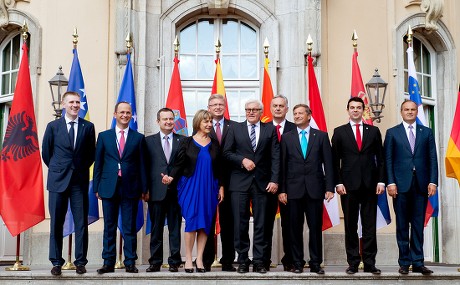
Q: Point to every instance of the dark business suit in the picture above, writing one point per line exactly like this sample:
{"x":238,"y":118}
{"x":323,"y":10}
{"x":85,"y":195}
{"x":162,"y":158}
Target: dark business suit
{"x":411,"y":173}
{"x":271,"y":210}
{"x":245,"y":185}
{"x":116,"y":191}
{"x":225,"y":211}
{"x":305,"y":181}
{"x":68,"y":178}
{"x":163,"y":200}
{"x":359,"y":171}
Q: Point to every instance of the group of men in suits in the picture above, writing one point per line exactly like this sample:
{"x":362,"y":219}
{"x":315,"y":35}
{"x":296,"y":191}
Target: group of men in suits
{"x":292,"y":163}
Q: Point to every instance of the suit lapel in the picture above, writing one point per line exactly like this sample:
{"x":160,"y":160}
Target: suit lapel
{"x":225,"y":129}
{"x":129,"y":141}
{"x":263,"y":130}
{"x":175,"y":145}
{"x":296,"y":142}
{"x":245,"y":133}
{"x":365,"y":136}
{"x":157,"y":141}
{"x":63,"y":125}
{"x":418,"y":137}
{"x":311,"y":141}
{"x":403,"y":135}
{"x":351,"y":135}
{"x":81,"y":126}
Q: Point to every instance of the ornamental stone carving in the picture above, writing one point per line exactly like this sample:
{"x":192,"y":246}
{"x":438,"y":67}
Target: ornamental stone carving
{"x":218,"y":7}
{"x":4,"y":6}
{"x":433,"y":10}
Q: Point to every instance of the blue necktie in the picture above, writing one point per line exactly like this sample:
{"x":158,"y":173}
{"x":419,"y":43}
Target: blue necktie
{"x":252,"y":136}
{"x":303,"y":143}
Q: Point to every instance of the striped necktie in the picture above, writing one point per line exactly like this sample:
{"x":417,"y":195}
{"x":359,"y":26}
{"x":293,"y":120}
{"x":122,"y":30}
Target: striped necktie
{"x":252,"y":136}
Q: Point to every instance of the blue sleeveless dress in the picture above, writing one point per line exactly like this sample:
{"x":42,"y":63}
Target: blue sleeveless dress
{"x":197,"y":194}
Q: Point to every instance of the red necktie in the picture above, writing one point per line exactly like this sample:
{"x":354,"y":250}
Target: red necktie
{"x":121,"y":147}
{"x":218,"y":132}
{"x":358,"y":136}
{"x":278,"y":127}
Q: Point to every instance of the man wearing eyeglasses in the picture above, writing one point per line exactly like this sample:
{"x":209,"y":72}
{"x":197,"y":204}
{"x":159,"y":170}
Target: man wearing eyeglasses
{"x":253,"y":150}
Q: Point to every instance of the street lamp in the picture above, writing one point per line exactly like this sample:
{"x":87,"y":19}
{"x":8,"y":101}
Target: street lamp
{"x":56,"y":84}
{"x":376,"y":90}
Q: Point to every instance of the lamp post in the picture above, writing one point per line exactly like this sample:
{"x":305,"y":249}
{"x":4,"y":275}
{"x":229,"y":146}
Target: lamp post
{"x":376,"y":89}
{"x":56,"y":84}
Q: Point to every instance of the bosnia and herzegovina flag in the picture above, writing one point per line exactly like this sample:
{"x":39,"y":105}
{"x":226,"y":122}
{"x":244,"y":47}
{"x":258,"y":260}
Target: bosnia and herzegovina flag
{"x":453,"y":147}
{"x":414,"y":95}
{"x":77,"y":84}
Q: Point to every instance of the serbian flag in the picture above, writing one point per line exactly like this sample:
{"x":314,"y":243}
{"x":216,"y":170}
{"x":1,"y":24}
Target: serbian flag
{"x":175,"y":101}
{"x":218,"y":86}
{"x":414,"y":95}
{"x":77,"y":84}
{"x":127,"y":94}
{"x":21,"y":178}
{"x":357,"y":90}
{"x":453,"y":147}
{"x":331,"y":216}
{"x":267,"y":94}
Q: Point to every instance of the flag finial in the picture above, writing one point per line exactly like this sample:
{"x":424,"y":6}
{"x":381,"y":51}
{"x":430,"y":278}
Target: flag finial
{"x":354,"y":38}
{"x":309,"y":44}
{"x":266,"y":46}
{"x":129,"y":42}
{"x":24,"y":31}
{"x":409,"y":35}
{"x":75,"y":37}
{"x":176,"y":46}
{"x":218,"y":45}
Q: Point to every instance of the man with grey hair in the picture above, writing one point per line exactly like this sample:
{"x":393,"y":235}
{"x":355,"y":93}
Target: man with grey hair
{"x":252,"y":148}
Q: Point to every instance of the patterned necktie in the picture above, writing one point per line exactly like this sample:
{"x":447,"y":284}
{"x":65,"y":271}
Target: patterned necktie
{"x":411,"y":138}
{"x":278,"y":127}
{"x":218,"y":132}
{"x":358,"y":136}
{"x":167,"y":148}
{"x":72,"y":134}
{"x":121,"y":147}
{"x":252,"y":136}
{"x":304,"y":143}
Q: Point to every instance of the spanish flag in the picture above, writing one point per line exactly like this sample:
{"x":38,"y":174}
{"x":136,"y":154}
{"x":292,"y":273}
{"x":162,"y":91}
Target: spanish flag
{"x":219,"y":88}
{"x":453,"y":147}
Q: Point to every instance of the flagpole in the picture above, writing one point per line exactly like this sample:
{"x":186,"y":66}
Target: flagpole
{"x":119,"y":264}
{"x":18,"y":264}
{"x":69,"y":264}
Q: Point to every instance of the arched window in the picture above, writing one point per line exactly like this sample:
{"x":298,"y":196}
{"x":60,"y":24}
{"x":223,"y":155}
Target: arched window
{"x":239,"y":60}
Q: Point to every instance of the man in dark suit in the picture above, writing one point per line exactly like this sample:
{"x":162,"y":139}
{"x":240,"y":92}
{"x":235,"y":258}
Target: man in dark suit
{"x":359,"y":175}
{"x":307,"y":177}
{"x":252,"y":148}
{"x":68,"y":151}
{"x":217,"y":106}
{"x":162,"y":199}
{"x":120,"y":181}
{"x":412,"y":171}
{"x":279,"y":108}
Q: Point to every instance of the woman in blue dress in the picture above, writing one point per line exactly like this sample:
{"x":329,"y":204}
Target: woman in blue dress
{"x":198,"y":186}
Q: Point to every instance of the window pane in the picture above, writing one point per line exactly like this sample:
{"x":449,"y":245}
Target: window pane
{"x":188,"y":39}
{"x":230,"y":67}
{"x":187,"y":67}
{"x":6,"y":55}
{"x":14,"y":77}
{"x":248,"y":67}
{"x":426,"y":60}
{"x":248,"y":39}
{"x":230,"y":36}
{"x":205,"y":67}
{"x":205,"y":36}
{"x":16,"y":51}
{"x":426,"y":86}
{"x":5,"y":84}
{"x":190,"y":103}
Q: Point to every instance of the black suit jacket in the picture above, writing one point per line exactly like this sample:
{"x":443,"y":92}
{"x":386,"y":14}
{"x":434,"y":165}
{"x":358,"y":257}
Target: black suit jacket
{"x":354,"y":167}
{"x":157,"y":164}
{"x":187,"y":156}
{"x":225,"y":168}
{"x":266,"y":157}
{"x":60,"y":157}
{"x":314,"y":174}
{"x":289,"y":126}
{"x":132,"y":164}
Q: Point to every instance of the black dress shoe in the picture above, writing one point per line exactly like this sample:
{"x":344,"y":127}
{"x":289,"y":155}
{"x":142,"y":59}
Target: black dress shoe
{"x":188,"y":270}
{"x":105,"y":269}
{"x":154,"y":268}
{"x":200,"y":269}
{"x":288,"y":267}
{"x":297,"y":269}
{"x":243,"y":268}
{"x":131,"y":269}
{"x":56,"y":270}
{"x":422,"y":269}
{"x":80,"y":269}
{"x":316,"y":269}
{"x":259,"y":268}
{"x":404,"y":270}
{"x":207,"y":268}
{"x":351,"y":270}
{"x":172,"y":268}
{"x":372,"y":269}
{"x":228,"y":267}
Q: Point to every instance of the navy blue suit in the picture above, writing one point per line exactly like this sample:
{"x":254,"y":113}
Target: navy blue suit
{"x":68,"y":178}
{"x":411,"y":173}
{"x":120,"y":191}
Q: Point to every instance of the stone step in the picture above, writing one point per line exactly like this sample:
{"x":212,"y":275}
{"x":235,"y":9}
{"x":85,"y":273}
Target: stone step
{"x":334,"y":275}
